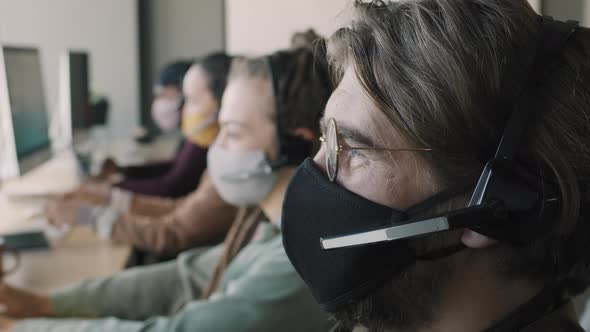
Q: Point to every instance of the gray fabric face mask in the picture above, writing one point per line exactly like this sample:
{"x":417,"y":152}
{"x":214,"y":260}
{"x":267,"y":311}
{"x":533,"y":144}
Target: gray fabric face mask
{"x":241,"y":178}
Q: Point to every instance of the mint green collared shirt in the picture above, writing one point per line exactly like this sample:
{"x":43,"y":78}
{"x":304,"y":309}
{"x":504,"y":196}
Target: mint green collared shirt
{"x":260,"y":291}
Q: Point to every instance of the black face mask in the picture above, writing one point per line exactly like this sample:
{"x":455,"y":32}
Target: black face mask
{"x":315,"y":208}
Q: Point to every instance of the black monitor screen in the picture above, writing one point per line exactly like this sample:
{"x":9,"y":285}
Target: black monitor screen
{"x":79,"y":91}
{"x":27,"y":104}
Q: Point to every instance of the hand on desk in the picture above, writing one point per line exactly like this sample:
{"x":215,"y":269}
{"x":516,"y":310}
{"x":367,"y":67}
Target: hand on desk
{"x":109,"y":168}
{"x":19,"y":303}
{"x":60,"y":212}
{"x":65,"y":209}
{"x":91,"y":192}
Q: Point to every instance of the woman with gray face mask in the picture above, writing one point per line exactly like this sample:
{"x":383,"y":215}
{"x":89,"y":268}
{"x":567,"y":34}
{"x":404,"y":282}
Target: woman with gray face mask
{"x":268,"y":121}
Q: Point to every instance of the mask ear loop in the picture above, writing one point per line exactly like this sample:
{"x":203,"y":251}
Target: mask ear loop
{"x":439,"y":198}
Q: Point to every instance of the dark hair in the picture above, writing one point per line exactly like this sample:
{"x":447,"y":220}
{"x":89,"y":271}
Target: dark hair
{"x":217,"y":67}
{"x":446,"y":74}
{"x":301,"y":80}
{"x":308,"y":38}
{"x":173,"y":74}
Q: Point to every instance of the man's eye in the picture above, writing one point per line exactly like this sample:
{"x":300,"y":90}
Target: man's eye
{"x":353,"y":157}
{"x":356,"y":153}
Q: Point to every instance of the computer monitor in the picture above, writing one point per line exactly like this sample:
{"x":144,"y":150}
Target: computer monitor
{"x":28,"y":109}
{"x":81,"y":115}
{"x":75,"y":93}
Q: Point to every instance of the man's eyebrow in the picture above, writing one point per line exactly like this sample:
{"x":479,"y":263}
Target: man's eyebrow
{"x":355,"y":136}
{"x":349,"y":133}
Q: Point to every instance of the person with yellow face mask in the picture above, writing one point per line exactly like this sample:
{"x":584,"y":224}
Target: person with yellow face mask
{"x":197,"y":107}
{"x":200,"y":126}
{"x":164,"y":225}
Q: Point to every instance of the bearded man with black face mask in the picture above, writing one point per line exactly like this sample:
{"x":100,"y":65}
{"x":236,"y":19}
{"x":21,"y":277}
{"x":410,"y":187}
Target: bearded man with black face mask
{"x":450,"y":192}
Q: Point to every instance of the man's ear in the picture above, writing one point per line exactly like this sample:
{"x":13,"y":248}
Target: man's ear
{"x":305,"y":133}
{"x":475,"y":240}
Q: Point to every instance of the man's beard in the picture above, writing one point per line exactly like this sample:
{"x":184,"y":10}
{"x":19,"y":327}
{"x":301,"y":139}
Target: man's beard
{"x":407,"y":302}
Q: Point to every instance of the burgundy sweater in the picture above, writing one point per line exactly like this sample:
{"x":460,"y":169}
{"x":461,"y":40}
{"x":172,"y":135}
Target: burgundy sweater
{"x":172,"y":179}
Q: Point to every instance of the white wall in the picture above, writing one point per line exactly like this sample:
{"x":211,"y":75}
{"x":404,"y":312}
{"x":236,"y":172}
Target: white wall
{"x":261,"y":26}
{"x":185,"y":29}
{"x":107,"y":29}
{"x":570,"y":9}
{"x":255,"y":27}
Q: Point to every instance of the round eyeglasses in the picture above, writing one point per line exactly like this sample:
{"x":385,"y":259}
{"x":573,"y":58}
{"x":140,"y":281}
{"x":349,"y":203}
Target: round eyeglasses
{"x":333,"y":148}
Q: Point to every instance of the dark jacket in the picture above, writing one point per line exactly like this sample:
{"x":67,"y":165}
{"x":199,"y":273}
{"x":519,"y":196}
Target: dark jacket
{"x":173,"y":179}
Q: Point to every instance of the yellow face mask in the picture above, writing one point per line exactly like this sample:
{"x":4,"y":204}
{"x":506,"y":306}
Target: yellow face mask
{"x":200,"y":128}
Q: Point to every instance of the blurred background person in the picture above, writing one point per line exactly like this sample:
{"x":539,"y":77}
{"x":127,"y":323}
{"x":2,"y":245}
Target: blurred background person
{"x":203,"y":87}
{"x":166,"y":114}
{"x":269,"y":124}
{"x":168,"y":96}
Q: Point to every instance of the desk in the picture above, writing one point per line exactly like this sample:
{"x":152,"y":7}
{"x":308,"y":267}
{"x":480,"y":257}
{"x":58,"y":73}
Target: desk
{"x":77,"y":256}
{"x":81,"y":254}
